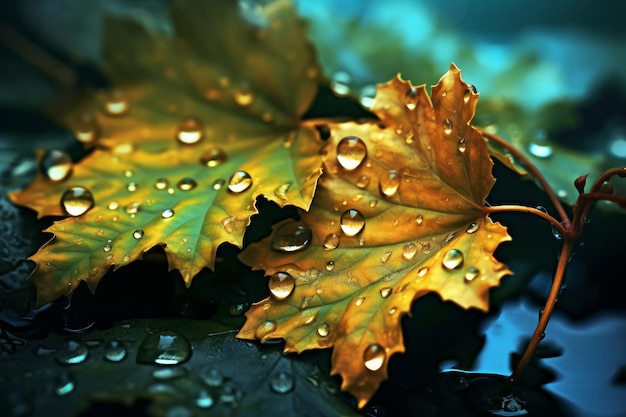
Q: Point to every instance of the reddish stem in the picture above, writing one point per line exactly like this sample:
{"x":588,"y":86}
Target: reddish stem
{"x":554,"y":222}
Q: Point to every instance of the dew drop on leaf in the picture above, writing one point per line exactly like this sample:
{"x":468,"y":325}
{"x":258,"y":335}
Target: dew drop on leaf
{"x":218,"y":184}
{"x":351,"y":151}
{"x":472,"y":228}
{"x":138,"y":234}
{"x":323,"y":329}
{"x":363,"y":181}
{"x":282,"y":383}
{"x":359,"y":301}
{"x":86,"y":129}
{"x":447,"y":127}
{"x":462,"y":145}
{"x":373,"y":203}
{"x":471,"y":89}
{"x":167,"y":213}
{"x":133,"y":208}
{"x":213,"y":157}
{"x":161,"y":183}
{"x":107,"y":247}
{"x":244,"y":97}
{"x":352,"y":222}
{"x":164,"y":347}
{"x":410,"y":98}
{"x":385,"y":292}
{"x":240,"y":181}
{"x":76,"y":201}
{"x":265,"y":329}
{"x":419,"y":219}
{"x":56,"y":165}
{"x":187,"y":184}
{"x":471,"y":273}
{"x":113,"y":205}
{"x":115,"y":103}
{"x":390,"y":182}
{"x":291,"y":237}
{"x":392,"y":311}
{"x":190,"y":131}
{"x":114,"y":351}
{"x":330,"y":265}
{"x":374,"y":357}
{"x":281,"y":285}
{"x":132,"y":186}
{"x":72,"y":353}
{"x":422,"y":271}
{"x":409,"y":250}
{"x":453,"y":259}
{"x":331,"y":241}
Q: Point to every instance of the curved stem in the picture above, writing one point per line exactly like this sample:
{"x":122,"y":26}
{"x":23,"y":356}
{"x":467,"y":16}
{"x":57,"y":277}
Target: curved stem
{"x":533,"y":169}
{"x":606,"y":175}
{"x":503,"y":208}
{"x":539,"y":333}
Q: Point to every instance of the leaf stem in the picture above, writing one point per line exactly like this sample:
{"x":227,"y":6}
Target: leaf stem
{"x":524,"y":209}
{"x":533,"y":169}
{"x":539,"y":333}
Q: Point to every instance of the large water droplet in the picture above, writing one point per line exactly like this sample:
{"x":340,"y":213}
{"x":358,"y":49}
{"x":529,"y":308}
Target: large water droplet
{"x":323,"y":329}
{"x":165,"y":347}
{"x":351,"y":151}
{"x":453,"y":259}
{"x":471,"y":273}
{"x":115,"y":103}
{"x":352,"y":222}
{"x":374,"y":357}
{"x":86,"y":129}
{"x":282,"y":383}
{"x":447,"y":126}
{"x":410,"y":98}
{"x":213,"y":157}
{"x":190,"y":131}
{"x":390,"y":182}
{"x":187,"y":184}
{"x":472,"y":228}
{"x":114,"y":351}
{"x":77,"y":201}
{"x":72,"y":353}
{"x":281,"y":285}
{"x":409,"y":250}
{"x":385,"y":292}
{"x":264,"y":329}
{"x":240,"y":181}
{"x":167,"y":213}
{"x":56,"y":165}
{"x":331,"y":241}
{"x":291,"y":237}
{"x":138,"y":234}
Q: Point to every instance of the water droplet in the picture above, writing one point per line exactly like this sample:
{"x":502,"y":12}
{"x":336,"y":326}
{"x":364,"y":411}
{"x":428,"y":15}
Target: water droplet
{"x":471,"y":273}
{"x":133,"y":208}
{"x":164,"y":347}
{"x":244,"y":97}
{"x":190,"y":131}
{"x":240,"y":181}
{"x":212,"y":377}
{"x":359,"y":301}
{"x":72,"y":353}
{"x":373,"y":203}
{"x":56,"y":165}
{"x":419,"y":219}
{"x":113,"y":205}
{"x":385,"y":292}
{"x":340,"y":83}
{"x":447,"y":126}
{"x":107,"y":247}
{"x":331,"y":241}
{"x":390,"y":182}
{"x":77,"y":201}
{"x":161,"y":183}
{"x":64,"y":384}
{"x":86,"y":129}
{"x":203,"y":399}
{"x":218,"y":184}
{"x":114,"y":351}
{"x":282,"y":383}
{"x":352,"y":222}
{"x":138,"y":234}
{"x":281,"y":191}
{"x":330,"y":265}
{"x":453,"y":259}
{"x":166,"y":374}
{"x":410,"y":98}
{"x":462,"y":145}
{"x":422,"y":271}
{"x":281,"y":285}
{"x":167,"y":213}
{"x":323,"y":329}
{"x":363,"y":181}
{"x":409,"y":250}
{"x":132,"y":186}
{"x":265,"y":329}
{"x":115,"y":103}
{"x":374,"y":357}
{"x":230,"y":394}
{"x":472,"y":228}
{"x":291,"y":237}
{"x":540,"y":151}
{"x":351,"y":151}
{"x":213,"y":157}
{"x":187,"y":184}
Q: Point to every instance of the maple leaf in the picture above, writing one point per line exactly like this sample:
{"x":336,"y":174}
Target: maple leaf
{"x":199,"y":124}
{"x":399,"y":212}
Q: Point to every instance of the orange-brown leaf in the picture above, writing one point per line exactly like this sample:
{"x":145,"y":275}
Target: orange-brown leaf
{"x":406,"y":220}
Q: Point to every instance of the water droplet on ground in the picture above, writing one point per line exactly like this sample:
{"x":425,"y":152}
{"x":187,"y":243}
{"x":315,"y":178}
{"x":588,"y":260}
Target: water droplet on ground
{"x":72,"y":353}
{"x":352,"y":222}
{"x":239,"y":181}
{"x":76,"y":201}
{"x":291,"y":237}
{"x":282,"y":383}
{"x":374,"y":357}
{"x":165,"y":347}
{"x":281,"y":285}
{"x":351,"y":151}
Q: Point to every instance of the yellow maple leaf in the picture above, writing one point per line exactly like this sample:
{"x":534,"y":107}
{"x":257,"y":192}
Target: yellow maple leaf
{"x":198,"y":125}
{"x":399,"y":213}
